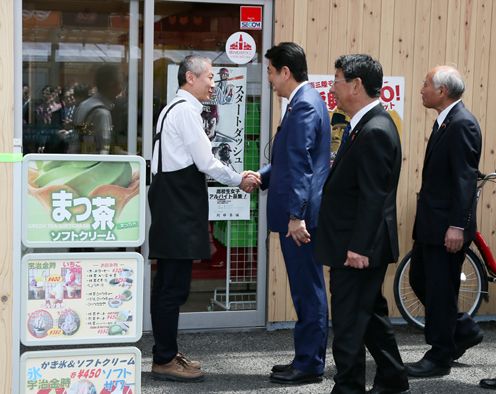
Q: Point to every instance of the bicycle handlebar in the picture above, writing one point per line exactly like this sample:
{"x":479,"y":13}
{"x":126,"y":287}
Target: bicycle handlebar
{"x":483,"y":178}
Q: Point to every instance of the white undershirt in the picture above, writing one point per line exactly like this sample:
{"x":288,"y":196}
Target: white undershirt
{"x":360,"y":114}
{"x":184,"y":142}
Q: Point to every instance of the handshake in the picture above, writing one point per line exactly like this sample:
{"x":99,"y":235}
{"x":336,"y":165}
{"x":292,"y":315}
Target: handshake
{"x":250,"y":181}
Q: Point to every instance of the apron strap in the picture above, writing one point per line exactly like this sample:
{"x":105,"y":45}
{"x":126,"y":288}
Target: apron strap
{"x":159,"y":134}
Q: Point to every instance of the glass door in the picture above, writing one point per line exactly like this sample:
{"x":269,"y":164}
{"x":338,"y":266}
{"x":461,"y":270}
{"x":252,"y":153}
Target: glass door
{"x":228,"y":290}
{"x":81,"y":73}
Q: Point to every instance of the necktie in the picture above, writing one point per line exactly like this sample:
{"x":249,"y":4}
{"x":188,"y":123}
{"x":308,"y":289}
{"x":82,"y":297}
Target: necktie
{"x":344,"y":138}
{"x":435,"y":127}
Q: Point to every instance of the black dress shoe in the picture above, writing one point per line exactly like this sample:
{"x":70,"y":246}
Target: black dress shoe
{"x":425,"y":369}
{"x":376,"y":389}
{"x":488,"y":384}
{"x":281,"y":367}
{"x":294,"y":376}
{"x":461,"y":347}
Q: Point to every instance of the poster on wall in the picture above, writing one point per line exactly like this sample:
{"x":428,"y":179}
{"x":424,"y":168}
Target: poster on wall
{"x":228,"y":203}
{"x":83,"y":201}
{"x":392,"y":98}
{"x":74,"y":298}
{"x":224,"y":115}
{"x":89,"y":371}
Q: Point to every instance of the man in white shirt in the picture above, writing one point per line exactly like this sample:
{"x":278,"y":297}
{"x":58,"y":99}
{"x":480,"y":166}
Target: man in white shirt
{"x":178,"y":201}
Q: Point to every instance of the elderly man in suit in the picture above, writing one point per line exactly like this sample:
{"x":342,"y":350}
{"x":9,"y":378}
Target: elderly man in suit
{"x":357,"y":231}
{"x":445,"y":222}
{"x":298,"y":169}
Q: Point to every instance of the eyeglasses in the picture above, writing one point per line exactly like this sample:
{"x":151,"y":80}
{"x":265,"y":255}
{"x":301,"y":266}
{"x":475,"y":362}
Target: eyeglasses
{"x":338,"y":80}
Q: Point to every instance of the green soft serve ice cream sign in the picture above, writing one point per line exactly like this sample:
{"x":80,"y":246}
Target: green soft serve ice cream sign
{"x":83,"y":200}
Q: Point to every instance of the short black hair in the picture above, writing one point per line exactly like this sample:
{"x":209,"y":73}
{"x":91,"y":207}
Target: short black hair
{"x":292,"y":56}
{"x":106,"y":76}
{"x":364,"y":67}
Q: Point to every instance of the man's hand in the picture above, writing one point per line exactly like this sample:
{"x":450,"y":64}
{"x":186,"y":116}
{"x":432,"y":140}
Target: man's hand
{"x":453,"y":240}
{"x":355,"y":260}
{"x":250,"y":181}
{"x":297,"y":230}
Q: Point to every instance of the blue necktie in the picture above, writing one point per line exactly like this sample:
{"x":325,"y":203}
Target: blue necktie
{"x":344,"y":138}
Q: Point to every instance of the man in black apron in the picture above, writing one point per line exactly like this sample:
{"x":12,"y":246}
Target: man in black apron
{"x":178,"y":202}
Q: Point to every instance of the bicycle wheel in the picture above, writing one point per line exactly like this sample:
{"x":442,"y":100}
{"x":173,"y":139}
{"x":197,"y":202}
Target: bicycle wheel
{"x":473,"y":285}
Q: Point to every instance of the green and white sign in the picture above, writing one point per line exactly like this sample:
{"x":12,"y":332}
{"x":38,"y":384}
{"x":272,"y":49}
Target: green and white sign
{"x":83,"y":201}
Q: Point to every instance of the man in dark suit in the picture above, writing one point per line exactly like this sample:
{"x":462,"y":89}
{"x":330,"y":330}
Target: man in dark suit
{"x":445,"y":222}
{"x":357,"y":231}
{"x":298,"y":169}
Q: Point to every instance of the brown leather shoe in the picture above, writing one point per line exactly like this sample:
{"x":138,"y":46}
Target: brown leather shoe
{"x":191,"y":363}
{"x":178,"y":371}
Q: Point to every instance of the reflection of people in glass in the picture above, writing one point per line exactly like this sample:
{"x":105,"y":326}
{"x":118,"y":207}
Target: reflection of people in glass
{"x":48,"y":122}
{"x":26,"y":104}
{"x":224,"y":91}
{"x":93,"y":118}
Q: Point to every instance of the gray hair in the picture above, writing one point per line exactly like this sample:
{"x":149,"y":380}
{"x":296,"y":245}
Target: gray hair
{"x":196,"y":64}
{"x":450,"y":78}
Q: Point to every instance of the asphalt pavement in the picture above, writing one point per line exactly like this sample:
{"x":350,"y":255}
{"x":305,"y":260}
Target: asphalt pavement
{"x":240,"y":362}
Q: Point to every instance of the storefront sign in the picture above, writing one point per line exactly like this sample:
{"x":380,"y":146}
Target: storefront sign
{"x":74,"y":298}
{"x":392,"y":99}
{"x":228,"y":203}
{"x":224,"y":115}
{"x":240,"y":47}
{"x":83,"y":201}
{"x":89,"y":371}
{"x":250,"y":18}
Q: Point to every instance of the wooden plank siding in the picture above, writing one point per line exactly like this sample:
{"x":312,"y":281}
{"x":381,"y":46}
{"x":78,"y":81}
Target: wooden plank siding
{"x":6,"y":195}
{"x":408,"y":37}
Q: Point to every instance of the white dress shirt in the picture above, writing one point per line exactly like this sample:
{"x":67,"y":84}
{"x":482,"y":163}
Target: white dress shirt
{"x":360,"y":114}
{"x":184,"y":142}
{"x":442,"y":115}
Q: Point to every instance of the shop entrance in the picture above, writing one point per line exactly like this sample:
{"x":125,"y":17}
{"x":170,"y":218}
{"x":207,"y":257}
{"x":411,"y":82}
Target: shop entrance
{"x":227,"y":290}
{"x":66,"y":44}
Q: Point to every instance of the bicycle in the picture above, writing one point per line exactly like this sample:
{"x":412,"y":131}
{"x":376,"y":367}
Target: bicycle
{"x":478,"y":269}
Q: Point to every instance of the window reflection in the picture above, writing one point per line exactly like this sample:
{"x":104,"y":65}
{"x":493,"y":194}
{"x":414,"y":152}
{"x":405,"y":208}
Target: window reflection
{"x":75,"y":65}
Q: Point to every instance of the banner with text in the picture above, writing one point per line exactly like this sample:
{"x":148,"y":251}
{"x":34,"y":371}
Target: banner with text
{"x":83,"y":201}
{"x":88,"y":371}
{"x":74,"y":298}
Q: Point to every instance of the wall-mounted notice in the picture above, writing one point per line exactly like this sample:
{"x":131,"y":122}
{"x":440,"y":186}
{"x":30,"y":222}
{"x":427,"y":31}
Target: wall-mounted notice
{"x":75,"y":298}
{"x":88,"y":371}
{"x":83,"y":201}
{"x":228,"y":203}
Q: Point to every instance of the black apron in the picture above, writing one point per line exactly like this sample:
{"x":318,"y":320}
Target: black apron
{"x":179,"y":208}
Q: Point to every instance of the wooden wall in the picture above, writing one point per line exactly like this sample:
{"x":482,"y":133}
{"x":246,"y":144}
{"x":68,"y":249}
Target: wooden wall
{"x":6,"y":202}
{"x":408,"y":37}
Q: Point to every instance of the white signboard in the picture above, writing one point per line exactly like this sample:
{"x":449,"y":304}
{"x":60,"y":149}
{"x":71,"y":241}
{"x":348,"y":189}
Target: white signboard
{"x":228,"y":203}
{"x":74,"y":298}
{"x":89,"y":371}
{"x":224,"y":115}
{"x":240,"y":47}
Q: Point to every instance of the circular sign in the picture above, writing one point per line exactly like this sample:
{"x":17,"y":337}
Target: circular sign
{"x":240,"y":47}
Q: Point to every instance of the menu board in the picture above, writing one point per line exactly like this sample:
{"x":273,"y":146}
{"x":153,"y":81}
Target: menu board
{"x":74,"y":298}
{"x":89,"y":371}
{"x":83,"y":201}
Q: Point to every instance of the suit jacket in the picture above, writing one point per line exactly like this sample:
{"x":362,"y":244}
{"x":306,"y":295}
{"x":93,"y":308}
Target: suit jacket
{"x":358,"y":211}
{"x":299,"y":162}
{"x":449,"y":179}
